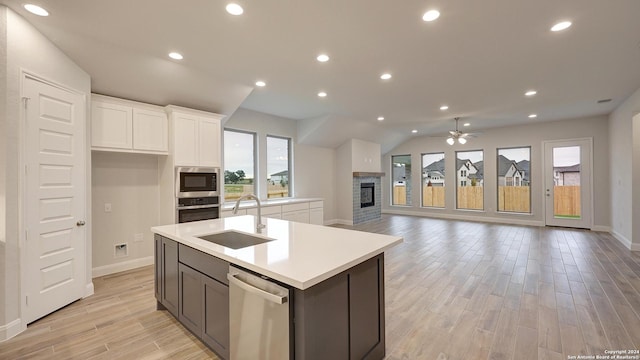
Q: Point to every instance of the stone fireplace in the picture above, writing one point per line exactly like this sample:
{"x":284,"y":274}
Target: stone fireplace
{"x":367,"y":196}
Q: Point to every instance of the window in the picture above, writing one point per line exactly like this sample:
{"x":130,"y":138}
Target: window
{"x":239,"y":164}
{"x":401,"y":180}
{"x":514,"y":194}
{"x":433,"y":180}
{"x":278,"y":166}
{"x":470,"y":180}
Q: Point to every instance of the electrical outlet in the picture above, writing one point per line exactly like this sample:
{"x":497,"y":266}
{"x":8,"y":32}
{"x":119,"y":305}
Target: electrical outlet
{"x":138,"y":237}
{"x":107,"y":207}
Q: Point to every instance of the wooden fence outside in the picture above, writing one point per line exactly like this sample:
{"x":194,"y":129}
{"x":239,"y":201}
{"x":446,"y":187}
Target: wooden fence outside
{"x":433,"y":196}
{"x":471,"y":197}
{"x":566,"y":201}
{"x":399,"y":195}
{"x":514,"y":199}
{"x":234,"y":191}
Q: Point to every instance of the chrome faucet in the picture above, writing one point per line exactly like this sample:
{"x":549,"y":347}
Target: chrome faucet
{"x":260,"y":225}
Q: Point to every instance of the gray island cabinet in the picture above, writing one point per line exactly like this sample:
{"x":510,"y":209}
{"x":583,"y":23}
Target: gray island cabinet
{"x":337,"y":314}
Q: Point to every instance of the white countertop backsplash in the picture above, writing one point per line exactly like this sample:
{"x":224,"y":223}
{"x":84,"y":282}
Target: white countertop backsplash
{"x":302,"y":255}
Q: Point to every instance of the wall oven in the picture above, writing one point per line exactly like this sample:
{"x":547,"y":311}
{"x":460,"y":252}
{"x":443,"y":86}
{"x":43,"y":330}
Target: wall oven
{"x":196,"y":209}
{"x":197,"y":182}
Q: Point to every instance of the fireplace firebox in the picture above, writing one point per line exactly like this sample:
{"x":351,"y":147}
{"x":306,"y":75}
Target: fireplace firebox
{"x":367,"y":195}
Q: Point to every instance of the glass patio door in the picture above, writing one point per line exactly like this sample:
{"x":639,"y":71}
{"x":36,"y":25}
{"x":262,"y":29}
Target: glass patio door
{"x":567,"y":191}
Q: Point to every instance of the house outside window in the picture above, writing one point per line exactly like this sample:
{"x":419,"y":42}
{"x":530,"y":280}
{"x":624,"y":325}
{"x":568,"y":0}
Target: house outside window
{"x":401,"y":180}
{"x":514,"y":184}
{"x":433,"y":180}
{"x":470,"y":180}
{"x":239,"y":164}
{"x":278,"y":166}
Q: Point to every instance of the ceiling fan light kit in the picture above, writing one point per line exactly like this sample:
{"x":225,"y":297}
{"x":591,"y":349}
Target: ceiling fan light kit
{"x":457,"y":135}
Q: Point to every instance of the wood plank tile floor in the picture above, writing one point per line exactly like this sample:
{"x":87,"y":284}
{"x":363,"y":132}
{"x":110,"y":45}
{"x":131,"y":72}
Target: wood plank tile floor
{"x":454,"y":290}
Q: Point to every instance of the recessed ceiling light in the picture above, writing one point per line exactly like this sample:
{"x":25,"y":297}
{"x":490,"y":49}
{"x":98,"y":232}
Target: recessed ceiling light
{"x":322,"y":94}
{"x":414,"y":131}
{"x":533,"y":116}
{"x":385,"y":76}
{"x":561,"y":26}
{"x":234,"y":9}
{"x":431,"y":15}
{"x":380,"y":118}
{"x":466,"y":124}
{"x":530,"y":93}
{"x":36,"y":10}
{"x":176,"y":56}
{"x":323,"y":58}
{"x":261,"y":83}
{"x":444,"y":107}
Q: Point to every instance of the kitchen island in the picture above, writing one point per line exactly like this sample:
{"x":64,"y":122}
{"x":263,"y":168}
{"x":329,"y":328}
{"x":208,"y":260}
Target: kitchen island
{"x":335,"y":279}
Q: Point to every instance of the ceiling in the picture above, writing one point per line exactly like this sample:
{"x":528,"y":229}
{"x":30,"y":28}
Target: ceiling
{"x":479,"y":58}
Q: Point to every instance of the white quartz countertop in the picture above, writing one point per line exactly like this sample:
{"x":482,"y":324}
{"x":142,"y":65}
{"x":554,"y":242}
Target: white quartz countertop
{"x":301,"y":255}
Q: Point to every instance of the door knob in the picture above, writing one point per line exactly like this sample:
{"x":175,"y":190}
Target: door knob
{"x":80,"y":223}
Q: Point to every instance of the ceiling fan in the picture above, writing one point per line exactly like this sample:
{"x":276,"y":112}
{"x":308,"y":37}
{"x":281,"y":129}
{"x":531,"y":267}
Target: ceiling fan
{"x":457,"y":135}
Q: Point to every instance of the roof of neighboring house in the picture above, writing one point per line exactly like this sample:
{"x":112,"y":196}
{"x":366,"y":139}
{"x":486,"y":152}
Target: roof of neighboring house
{"x":525,"y":165}
{"x":564,"y":169}
{"x":480,"y":166}
{"x":504,"y":164}
{"x":435,"y":166}
{"x":281,"y":173}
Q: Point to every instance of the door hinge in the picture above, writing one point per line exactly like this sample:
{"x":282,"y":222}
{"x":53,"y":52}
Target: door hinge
{"x":26,"y":300}
{"x":25,"y":100}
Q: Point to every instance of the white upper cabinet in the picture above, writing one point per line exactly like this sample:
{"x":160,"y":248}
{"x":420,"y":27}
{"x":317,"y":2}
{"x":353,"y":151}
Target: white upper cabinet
{"x":196,"y":137}
{"x":128,"y":126}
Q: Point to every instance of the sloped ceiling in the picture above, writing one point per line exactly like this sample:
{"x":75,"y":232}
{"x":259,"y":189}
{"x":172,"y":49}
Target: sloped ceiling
{"x":479,"y":58}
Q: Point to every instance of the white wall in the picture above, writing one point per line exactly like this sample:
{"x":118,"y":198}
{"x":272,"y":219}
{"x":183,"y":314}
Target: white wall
{"x":344,"y":182}
{"x":312,"y":166}
{"x":365,"y":156}
{"x":514,"y":136}
{"x":625,"y":163}
{"x":129,"y":182}
{"x":27,"y":50}
{"x":3,"y":165}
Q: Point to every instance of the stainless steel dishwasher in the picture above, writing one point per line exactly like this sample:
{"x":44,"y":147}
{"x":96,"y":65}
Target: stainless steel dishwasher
{"x":258,"y":317}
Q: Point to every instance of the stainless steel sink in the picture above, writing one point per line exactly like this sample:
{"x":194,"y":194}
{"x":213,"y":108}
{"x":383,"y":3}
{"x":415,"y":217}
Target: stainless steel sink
{"x":234,"y":239}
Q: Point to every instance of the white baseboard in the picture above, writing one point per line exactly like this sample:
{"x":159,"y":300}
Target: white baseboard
{"x":508,"y":221}
{"x":330,"y":222}
{"x":626,"y":242}
{"x":11,"y":329}
{"x":122,"y":266}
{"x":601,"y":228}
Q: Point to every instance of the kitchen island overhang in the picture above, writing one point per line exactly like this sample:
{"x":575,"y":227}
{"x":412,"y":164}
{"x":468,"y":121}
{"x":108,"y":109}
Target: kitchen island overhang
{"x":336,"y":277}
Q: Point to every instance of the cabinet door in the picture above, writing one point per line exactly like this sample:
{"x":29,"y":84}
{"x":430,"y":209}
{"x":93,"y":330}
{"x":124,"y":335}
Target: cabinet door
{"x":215,"y":326}
{"x":158,"y":267}
{"x":209,"y":139}
{"x":190,"y":313}
{"x":150,"y":130}
{"x":185,"y":140}
{"x":297,"y":216}
{"x":170,"y":275}
{"x":316,"y":216}
{"x":111,"y":126}
{"x":366,"y":310}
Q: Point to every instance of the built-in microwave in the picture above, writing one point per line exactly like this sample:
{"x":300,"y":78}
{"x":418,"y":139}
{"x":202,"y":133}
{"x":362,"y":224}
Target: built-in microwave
{"x":197,"y":182}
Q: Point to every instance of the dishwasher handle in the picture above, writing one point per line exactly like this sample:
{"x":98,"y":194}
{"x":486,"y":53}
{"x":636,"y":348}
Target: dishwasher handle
{"x":257,"y":291}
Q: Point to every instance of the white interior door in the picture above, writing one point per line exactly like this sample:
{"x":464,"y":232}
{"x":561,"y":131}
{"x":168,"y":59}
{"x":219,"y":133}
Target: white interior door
{"x":568,"y":192}
{"x":54,"y":268}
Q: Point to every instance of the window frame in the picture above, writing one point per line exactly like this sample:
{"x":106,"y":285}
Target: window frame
{"x":497,"y":199}
{"x":422,"y":185}
{"x":408,"y":202}
{"x":458,"y":181}
{"x":289,"y":164}
{"x":256,"y":186}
